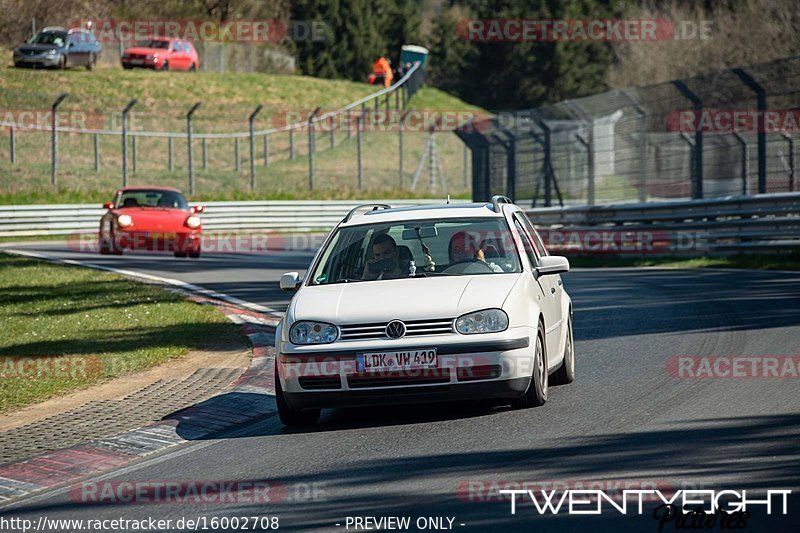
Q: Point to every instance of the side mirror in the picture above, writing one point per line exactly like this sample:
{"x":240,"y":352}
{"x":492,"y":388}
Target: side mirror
{"x":198,"y":209}
{"x":109,"y":205}
{"x":552,"y":264}
{"x":290,"y":281}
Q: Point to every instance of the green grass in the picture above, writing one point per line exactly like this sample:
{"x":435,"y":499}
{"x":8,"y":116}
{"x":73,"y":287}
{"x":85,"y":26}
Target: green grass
{"x":82,"y":327}
{"x":750,"y":261}
{"x":228,"y":99}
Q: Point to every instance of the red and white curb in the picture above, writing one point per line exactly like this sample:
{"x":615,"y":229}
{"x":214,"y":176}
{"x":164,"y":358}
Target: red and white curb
{"x":249,"y":397}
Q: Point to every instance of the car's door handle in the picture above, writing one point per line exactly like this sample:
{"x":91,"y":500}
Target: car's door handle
{"x":553,"y":290}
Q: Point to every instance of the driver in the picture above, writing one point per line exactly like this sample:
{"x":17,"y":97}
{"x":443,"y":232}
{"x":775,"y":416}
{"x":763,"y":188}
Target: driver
{"x":385,"y":262}
{"x":463,"y":248}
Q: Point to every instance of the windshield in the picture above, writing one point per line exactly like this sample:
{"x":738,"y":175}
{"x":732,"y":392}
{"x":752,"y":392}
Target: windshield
{"x":50,"y":37}
{"x":421,"y":248}
{"x":151,"y":198}
{"x":153,"y":44}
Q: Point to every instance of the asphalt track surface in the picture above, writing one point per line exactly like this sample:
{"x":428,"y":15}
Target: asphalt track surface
{"x":626,"y":419}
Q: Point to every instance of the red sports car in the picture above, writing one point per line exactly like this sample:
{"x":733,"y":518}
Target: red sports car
{"x":150,"y":218}
{"x":162,"y":54}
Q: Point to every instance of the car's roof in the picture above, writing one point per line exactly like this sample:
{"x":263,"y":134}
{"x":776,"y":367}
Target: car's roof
{"x":423,"y":212}
{"x":146,"y":188}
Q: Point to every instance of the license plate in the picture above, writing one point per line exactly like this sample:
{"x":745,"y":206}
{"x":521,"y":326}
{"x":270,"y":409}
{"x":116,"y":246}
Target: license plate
{"x":136,"y":61}
{"x":400,"y":360}
{"x":155,"y":235}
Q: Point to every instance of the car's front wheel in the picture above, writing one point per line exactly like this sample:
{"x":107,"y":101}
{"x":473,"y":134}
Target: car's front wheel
{"x":566,"y":372}
{"x":92,"y":62}
{"x":536,"y":394}
{"x":292,"y":417}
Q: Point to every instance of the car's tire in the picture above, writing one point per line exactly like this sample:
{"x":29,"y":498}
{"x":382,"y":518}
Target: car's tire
{"x":108,"y":246}
{"x":127,"y":67}
{"x":165,"y":66}
{"x":194,"y":254}
{"x":193,"y":68}
{"x":92,"y":62}
{"x":292,"y":417}
{"x":536,"y":395}
{"x":180,"y":254}
{"x":62,"y":63}
{"x":566,"y":372}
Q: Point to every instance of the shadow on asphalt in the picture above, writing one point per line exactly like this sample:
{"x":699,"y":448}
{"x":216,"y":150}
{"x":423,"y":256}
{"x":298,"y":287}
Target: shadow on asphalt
{"x":762,"y":447}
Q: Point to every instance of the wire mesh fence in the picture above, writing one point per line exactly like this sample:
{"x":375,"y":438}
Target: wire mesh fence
{"x":87,"y":143}
{"x":725,"y":133}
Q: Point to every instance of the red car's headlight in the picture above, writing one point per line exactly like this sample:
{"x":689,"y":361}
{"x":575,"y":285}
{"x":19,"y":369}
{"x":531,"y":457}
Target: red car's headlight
{"x":124,"y":221}
{"x":193,"y":222}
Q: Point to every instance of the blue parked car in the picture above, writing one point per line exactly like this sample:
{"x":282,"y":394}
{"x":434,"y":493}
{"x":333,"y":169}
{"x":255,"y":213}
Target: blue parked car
{"x":59,"y":48}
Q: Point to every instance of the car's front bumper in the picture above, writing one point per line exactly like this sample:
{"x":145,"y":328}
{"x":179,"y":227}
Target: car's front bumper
{"x":158,"y":240}
{"x":468,"y":368}
{"x":37,"y":61}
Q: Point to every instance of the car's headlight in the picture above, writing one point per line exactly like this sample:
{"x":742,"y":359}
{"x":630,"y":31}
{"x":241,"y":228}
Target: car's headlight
{"x":150,"y":57}
{"x":124,"y":221}
{"x":193,"y":222}
{"x":51,"y":52}
{"x":486,"y":321}
{"x":307,"y":332}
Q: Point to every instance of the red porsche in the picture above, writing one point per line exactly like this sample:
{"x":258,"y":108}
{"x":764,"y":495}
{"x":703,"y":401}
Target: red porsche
{"x":150,"y":218}
{"x":162,"y":54}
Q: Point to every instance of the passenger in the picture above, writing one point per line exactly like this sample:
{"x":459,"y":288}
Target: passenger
{"x":385,"y":262}
{"x":463,"y":247}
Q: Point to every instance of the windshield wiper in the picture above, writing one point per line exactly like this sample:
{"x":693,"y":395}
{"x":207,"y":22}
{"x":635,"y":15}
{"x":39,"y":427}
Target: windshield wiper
{"x":343,"y":280}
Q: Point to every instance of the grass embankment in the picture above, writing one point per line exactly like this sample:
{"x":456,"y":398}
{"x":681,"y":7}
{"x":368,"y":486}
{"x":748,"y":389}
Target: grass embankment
{"x":65,"y":328}
{"x":96,"y":99}
{"x":750,"y":261}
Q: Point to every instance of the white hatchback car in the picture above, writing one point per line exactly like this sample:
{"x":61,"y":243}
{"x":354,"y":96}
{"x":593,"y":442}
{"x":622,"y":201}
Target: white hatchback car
{"x":421,"y":304}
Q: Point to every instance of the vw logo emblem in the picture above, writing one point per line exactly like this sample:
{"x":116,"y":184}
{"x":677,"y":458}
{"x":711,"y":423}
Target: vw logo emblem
{"x":395,"y":329}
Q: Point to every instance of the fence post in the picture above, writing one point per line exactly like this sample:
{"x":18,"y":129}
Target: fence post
{"x":54,"y":138}
{"x":697,"y":103}
{"x":133,"y":152}
{"x":761,"y":134}
{"x":96,"y":153}
{"x":359,"y":119}
{"x":333,"y":127}
{"x":12,"y":145}
{"x":291,"y":143}
{"x":266,"y":149}
{"x":125,"y":112}
{"x":252,"y":119}
{"x":588,"y":143}
{"x":189,"y":145}
{"x":792,"y":162}
{"x":170,"y":163}
{"x":745,"y":168}
{"x":311,"y":147}
{"x":464,"y":165}
{"x":400,"y":126}
{"x":205,"y":153}
{"x":236,"y":155}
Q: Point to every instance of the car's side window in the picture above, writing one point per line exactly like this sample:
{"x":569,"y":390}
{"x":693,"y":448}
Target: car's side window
{"x":526,"y":243}
{"x":535,"y":237}
{"x":176,"y":47}
{"x":186,"y":47}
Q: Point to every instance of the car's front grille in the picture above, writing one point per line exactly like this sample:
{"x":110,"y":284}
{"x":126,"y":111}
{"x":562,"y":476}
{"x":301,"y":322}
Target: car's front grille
{"x":414,"y":328}
{"x":320,"y":382}
{"x":399,"y":378}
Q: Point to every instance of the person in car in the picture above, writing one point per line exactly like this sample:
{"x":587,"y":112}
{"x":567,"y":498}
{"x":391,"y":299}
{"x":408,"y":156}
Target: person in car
{"x":463,"y":247}
{"x":385,"y":262}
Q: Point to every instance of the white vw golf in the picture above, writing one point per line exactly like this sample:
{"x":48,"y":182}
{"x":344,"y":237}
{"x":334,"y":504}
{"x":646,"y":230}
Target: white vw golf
{"x":422,"y":304}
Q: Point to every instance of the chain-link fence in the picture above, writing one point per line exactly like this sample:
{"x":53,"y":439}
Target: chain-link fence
{"x":88,"y":142}
{"x":726,"y":133}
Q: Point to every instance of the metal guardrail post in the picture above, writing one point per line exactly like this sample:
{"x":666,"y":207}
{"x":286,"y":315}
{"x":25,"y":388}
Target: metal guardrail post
{"x":96,"y":142}
{"x":189,"y":145}
{"x":204,"y":150}
{"x":251,"y":122}
{"x":170,"y":163}
{"x":291,"y":143}
{"x":792,"y":162}
{"x":125,"y":112}
{"x":745,"y":168}
{"x":359,"y":119}
{"x":333,"y":139}
{"x":697,"y":103}
{"x":54,"y":138}
{"x":312,"y":140}
{"x":266,"y":149}
{"x":761,"y":134}
{"x":12,"y":145}
{"x":133,"y":152}
{"x":400,"y":127}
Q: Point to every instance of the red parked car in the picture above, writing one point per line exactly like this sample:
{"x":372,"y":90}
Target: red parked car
{"x":162,"y":54}
{"x":150,"y":218}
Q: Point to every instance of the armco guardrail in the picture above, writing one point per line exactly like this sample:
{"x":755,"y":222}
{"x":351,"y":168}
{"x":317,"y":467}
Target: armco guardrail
{"x":33,"y":220}
{"x":735,"y":224}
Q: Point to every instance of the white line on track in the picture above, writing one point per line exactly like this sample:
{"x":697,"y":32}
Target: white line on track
{"x":156,"y":279}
